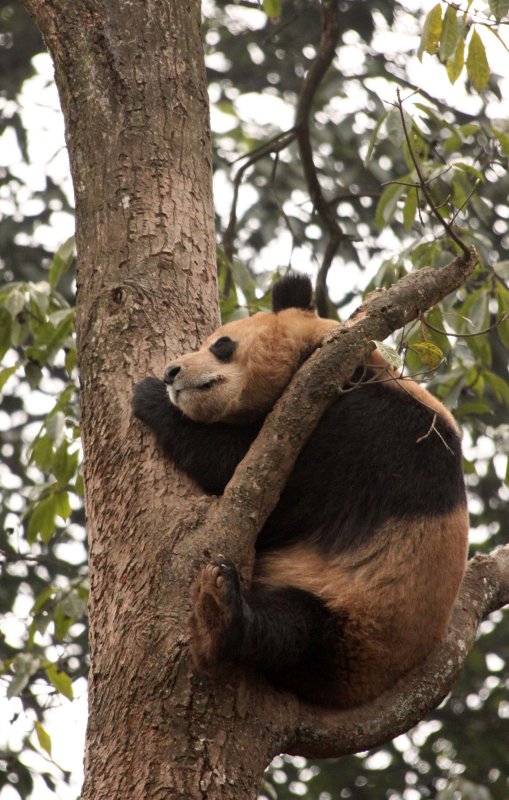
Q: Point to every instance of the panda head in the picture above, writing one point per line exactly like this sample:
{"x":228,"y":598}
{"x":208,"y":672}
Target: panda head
{"x":241,"y":370}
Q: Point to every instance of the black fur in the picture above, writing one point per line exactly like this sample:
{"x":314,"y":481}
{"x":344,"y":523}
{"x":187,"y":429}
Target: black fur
{"x":362,"y":466}
{"x":292,"y":291}
{"x":208,"y":453}
{"x":223,"y":348}
{"x":285,"y":633}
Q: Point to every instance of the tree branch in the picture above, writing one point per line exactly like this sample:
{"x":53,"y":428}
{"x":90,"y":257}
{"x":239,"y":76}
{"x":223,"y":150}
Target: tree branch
{"x":259,"y":480}
{"x":324,"y":734}
{"x":322,"y":62}
{"x":449,"y":230}
{"x":301,"y":132}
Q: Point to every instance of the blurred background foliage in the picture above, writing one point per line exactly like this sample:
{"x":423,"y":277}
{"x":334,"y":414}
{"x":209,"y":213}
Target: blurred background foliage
{"x":257,"y":57}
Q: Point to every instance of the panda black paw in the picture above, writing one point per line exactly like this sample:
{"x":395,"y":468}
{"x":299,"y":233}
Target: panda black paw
{"x":217,"y":614}
{"x":150,"y":401}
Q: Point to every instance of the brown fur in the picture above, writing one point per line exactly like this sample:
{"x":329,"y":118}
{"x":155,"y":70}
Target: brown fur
{"x":271,"y":348}
{"x":396,"y":596}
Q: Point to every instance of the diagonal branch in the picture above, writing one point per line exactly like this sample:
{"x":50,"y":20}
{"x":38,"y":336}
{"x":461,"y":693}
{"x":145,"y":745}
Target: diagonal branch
{"x":424,"y":184}
{"x":259,"y":480}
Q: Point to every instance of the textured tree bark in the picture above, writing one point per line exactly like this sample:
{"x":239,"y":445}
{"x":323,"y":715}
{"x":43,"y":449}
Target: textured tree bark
{"x":132,"y":86}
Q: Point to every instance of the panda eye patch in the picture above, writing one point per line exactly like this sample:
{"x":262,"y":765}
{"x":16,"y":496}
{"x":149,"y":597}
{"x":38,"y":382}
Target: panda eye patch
{"x":223,"y":348}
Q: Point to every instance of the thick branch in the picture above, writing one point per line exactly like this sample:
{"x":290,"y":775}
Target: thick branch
{"x":323,"y":734}
{"x":259,"y":480}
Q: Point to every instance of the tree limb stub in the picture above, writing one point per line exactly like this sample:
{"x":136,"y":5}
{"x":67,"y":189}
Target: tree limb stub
{"x":259,"y":480}
{"x":326,"y":734}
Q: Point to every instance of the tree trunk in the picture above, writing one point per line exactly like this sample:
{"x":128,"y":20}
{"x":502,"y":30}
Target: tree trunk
{"x":132,"y":86}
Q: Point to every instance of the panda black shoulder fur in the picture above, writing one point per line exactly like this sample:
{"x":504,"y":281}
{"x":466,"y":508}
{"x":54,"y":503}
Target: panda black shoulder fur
{"x":359,"y":564}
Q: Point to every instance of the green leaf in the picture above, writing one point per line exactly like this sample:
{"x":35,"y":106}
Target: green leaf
{"x":478,"y":69}
{"x":410,"y":209}
{"x":39,"y":624}
{"x":42,"y":520}
{"x":5,"y":374}
{"x":25,"y":665}
{"x":450,"y":34}
{"x":74,"y":606}
{"x":64,"y":464}
{"x":499,"y":8}
{"x":499,"y":386}
{"x":42,"y":453}
{"x":431,"y":32}
{"x":55,"y":428}
{"x":475,"y":311}
{"x":5,"y":331}
{"x":78,"y":486}
{"x":70,"y":359}
{"x":455,"y":64}
{"x":394,"y":126}
{"x":272,"y":8}
{"x":33,"y":374}
{"x":243,"y":279}
{"x":391,"y":355}
{"x":388,"y":203}
{"x":15,"y":302}
{"x":62,"y":506}
{"x":62,"y":622}
{"x":374,"y":137}
{"x":61,"y":681}
{"x":429,"y":353}
{"x":43,"y":737}
{"x":503,"y":308}
{"x":39,"y":294}
{"x":469,"y":169}
{"x":503,"y":138}
{"x":450,"y":400}
{"x":62,"y":260}
{"x":42,"y":599}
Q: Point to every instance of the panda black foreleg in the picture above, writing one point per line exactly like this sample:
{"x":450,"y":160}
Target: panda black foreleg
{"x":208,"y":453}
{"x":286,"y":633}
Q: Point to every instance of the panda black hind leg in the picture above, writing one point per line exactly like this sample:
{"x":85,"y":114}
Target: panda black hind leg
{"x":286,"y":633}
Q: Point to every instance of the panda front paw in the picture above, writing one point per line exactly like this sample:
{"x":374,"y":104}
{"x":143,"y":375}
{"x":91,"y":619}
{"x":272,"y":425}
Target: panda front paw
{"x":150,"y":398}
{"x":217,"y":614}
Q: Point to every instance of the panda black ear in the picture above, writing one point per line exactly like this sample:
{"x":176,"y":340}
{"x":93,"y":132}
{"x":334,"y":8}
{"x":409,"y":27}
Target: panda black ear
{"x":292,"y":291}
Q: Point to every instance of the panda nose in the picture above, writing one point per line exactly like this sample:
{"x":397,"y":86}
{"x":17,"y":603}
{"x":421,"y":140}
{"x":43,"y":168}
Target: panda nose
{"x":170,"y":374}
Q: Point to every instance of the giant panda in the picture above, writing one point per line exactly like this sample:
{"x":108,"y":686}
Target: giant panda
{"x":358,"y":566}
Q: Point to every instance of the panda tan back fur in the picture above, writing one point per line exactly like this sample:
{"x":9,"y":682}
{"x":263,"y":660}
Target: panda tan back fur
{"x":359,"y":564}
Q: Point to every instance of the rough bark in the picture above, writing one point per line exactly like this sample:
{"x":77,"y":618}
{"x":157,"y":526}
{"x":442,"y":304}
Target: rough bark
{"x":133,"y":91}
{"x":132,"y":85}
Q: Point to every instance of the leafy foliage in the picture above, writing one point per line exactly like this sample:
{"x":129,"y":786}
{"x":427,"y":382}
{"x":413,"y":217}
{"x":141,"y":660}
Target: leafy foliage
{"x":447,"y":36}
{"x":365,"y":152}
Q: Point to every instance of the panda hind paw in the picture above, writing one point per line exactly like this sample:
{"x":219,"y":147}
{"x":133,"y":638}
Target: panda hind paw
{"x":216,"y":616}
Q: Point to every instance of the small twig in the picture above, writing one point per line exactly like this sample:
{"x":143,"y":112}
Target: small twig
{"x":274,"y":145}
{"x":433,"y":428}
{"x":465,"y":202}
{"x":424,"y":186}
{"x":417,"y":185}
{"x":497,"y":322}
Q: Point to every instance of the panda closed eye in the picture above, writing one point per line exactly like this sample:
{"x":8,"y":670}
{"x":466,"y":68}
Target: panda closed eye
{"x":223,"y":348}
